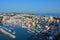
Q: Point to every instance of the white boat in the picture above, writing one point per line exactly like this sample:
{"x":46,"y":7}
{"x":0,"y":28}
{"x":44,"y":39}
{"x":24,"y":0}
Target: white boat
{"x":14,"y":33}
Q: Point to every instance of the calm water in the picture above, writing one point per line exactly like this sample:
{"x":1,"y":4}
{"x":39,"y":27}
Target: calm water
{"x":47,"y":14}
{"x":22,"y":34}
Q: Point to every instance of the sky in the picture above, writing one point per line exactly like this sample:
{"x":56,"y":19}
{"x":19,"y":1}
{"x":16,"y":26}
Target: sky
{"x":30,"y":6}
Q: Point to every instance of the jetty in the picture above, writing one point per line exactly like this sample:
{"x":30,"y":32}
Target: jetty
{"x":2,"y":31}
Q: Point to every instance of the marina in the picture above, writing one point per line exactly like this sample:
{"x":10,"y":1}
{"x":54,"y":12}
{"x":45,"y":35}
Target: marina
{"x":6,"y":33}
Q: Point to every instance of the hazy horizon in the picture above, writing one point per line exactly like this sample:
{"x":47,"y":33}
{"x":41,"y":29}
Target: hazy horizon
{"x":30,"y":6}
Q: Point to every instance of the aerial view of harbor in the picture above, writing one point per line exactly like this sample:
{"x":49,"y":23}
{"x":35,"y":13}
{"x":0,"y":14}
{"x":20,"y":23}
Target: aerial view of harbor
{"x":29,"y":19}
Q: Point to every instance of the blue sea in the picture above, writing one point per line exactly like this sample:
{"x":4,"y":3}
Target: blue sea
{"x":47,"y":14}
{"x":22,"y":34}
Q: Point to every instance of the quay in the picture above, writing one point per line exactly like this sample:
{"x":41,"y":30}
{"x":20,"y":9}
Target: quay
{"x":7,"y":33}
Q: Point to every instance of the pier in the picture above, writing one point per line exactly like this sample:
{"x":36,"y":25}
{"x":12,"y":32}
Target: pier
{"x":7,"y":33}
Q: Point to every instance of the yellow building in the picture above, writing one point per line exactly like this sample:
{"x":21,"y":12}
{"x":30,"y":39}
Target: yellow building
{"x":20,"y":21}
{"x":33,"y":23}
{"x":51,"y":18}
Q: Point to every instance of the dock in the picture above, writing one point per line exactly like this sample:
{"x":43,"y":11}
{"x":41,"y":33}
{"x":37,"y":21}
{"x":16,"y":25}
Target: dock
{"x":2,"y":31}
